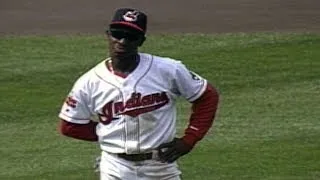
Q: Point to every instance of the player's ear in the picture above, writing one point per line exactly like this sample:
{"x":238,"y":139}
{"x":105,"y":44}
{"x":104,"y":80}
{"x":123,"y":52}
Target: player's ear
{"x":107,"y":34}
{"x":142,"y":40}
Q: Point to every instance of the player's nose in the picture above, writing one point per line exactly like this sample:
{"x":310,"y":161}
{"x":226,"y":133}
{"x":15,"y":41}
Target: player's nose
{"x":123,"y":40}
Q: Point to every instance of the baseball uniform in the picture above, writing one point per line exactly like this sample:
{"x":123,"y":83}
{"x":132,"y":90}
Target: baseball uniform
{"x":136,"y":113}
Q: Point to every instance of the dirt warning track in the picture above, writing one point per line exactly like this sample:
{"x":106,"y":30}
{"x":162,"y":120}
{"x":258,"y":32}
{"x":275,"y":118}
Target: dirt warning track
{"x":219,"y":16}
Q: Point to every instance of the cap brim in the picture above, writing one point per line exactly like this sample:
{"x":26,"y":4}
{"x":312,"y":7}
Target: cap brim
{"x":127,"y":24}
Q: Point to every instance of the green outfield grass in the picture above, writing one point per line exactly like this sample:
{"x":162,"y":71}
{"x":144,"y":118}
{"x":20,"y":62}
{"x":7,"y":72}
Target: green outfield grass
{"x":267,"y":126}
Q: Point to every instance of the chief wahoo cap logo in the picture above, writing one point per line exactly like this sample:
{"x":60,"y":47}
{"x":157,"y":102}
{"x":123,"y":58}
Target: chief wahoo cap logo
{"x":131,"y":16}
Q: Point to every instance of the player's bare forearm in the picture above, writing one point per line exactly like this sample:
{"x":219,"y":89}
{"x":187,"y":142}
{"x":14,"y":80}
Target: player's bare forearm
{"x":79,"y":131}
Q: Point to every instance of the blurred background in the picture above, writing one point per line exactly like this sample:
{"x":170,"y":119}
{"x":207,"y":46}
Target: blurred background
{"x":83,"y":16}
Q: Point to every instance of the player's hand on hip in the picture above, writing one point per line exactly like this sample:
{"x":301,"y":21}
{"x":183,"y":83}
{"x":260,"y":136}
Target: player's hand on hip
{"x":171,"y":151}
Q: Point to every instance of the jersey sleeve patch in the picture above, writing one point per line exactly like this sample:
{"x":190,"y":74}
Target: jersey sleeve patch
{"x":71,"y":102}
{"x":189,"y":84}
{"x":76,"y":107}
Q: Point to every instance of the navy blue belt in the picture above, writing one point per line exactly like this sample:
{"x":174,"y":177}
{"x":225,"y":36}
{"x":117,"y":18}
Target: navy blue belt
{"x":135,"y":157}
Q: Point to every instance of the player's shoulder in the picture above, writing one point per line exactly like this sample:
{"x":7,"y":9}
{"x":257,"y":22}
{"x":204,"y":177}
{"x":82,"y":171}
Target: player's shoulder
{"x":90,"y":76}
{"x":162,"y":61}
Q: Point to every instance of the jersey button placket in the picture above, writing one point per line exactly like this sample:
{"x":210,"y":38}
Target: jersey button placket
{"x":131,"y":125}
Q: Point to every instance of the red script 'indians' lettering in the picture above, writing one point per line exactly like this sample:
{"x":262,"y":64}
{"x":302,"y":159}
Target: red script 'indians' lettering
{"x":134,"y":106}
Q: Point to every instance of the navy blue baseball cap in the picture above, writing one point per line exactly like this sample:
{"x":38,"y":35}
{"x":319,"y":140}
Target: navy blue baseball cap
{"x":130,"y":18}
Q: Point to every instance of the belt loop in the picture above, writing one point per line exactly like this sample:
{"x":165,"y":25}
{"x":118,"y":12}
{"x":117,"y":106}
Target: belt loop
{"x":155,"y":155}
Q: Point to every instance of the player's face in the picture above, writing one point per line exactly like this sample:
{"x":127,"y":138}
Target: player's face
{"x":123,"y":43}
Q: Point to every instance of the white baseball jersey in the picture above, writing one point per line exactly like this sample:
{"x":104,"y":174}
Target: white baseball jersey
{"x":137,"y":113}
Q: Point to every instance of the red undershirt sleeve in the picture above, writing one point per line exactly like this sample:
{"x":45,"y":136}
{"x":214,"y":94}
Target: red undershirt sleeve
{"x":202,"y":116}
{"x":85,"y":132}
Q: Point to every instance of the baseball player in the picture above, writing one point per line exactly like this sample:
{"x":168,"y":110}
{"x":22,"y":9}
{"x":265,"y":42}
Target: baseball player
{"x":134,"y":95}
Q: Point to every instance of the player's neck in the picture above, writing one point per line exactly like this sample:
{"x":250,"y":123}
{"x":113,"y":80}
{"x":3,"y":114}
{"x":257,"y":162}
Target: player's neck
{"x":125,"y":65}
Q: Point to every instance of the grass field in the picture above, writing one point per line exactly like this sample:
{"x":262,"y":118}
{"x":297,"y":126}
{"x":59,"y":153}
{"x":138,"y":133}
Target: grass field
{"x":267,"y":127}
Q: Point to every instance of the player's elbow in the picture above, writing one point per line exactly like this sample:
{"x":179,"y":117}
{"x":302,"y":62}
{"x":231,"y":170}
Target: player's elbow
{"x":64,"y":128}
{"x":214,"y":95}
{"x":79,"y":131}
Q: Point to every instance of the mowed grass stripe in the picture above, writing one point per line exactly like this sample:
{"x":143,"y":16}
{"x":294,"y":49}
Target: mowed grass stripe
{"x":267,"y":125}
